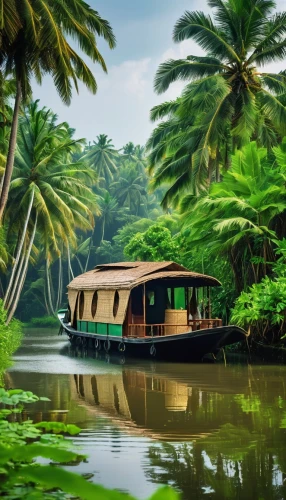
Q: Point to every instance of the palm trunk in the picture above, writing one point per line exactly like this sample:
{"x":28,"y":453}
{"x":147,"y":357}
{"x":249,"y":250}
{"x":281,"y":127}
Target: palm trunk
{"x":103,"y":229}
{"x":49,"y":288}
{"x":59,"y":298}
{"x":49,"y":312}
{"x":69,"y":261}
{"x":19,"y":249}
{"x":79,"y":263}
{"x":23,"y":277}
{"x":89,"y":250}
{"x":11,"y":152}
{"x":16,"y":281}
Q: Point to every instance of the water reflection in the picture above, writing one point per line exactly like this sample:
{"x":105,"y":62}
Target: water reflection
{"x":210,"y":430}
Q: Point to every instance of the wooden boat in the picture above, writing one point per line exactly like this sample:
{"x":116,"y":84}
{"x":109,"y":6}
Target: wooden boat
{"x":146,"y":309}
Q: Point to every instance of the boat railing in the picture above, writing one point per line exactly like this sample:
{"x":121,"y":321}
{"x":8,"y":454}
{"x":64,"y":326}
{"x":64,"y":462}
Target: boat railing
{"x":164,"y":329}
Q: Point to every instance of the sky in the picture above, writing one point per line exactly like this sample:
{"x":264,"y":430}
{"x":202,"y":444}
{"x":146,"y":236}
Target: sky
{"x":121,"y":106}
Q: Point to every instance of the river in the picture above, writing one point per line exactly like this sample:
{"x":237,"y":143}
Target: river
{"x":210,"y":430}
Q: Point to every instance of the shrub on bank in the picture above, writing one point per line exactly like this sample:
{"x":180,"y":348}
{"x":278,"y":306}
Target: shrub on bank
{"x":10,"y":339}
{"x":44,"y":322}
{"x":263,"y":309}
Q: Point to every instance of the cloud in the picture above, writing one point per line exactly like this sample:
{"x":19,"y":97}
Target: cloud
{"x":182,"y":50}
{"x":129,"y":77}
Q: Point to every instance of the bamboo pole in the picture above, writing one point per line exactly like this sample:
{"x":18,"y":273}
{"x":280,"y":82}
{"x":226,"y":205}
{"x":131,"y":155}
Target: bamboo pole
{"x":144,"y":307}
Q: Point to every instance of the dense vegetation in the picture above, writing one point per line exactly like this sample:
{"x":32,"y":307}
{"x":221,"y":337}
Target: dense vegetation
{"x":207,"y":191}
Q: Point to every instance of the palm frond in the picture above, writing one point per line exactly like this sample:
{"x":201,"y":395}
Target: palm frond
{"x":199,"y":27}
{"x":182,"y":69}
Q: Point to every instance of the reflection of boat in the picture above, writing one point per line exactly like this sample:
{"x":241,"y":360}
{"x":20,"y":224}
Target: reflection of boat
{"x":146,"y":309}
{"x":155,"y":404}
{"x":173,"y":402}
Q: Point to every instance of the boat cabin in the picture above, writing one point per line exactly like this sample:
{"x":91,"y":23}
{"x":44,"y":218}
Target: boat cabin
{"x":139,"y":299}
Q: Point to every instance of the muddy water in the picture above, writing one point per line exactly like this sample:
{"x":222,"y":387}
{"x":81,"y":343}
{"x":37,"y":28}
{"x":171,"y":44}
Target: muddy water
{"x":211,"y":431}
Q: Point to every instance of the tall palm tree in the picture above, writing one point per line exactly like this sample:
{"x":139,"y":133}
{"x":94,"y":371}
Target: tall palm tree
{"x":128,"y":150}
{"x":229,"y":99}
{"x":130,"y":189}
{"x":102,"y":156}
{"x":237,"y":218}
{"x":33,"y":42}
{"x":49,"y":195}
{"x":135,"y":155}
{"x":7,"y":91}
{"x":108,"y":207}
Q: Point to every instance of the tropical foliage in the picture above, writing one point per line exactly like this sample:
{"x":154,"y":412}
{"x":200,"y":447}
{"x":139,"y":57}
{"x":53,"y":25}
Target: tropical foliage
{"x":263,"y":306}
{"x":155,"y":244}
{"x":10,"y":340}
{"x":238,"y":218}
{"x":57,"y":184}
{"x":34,"y":42}
{"x":102,"y":155}
{"x":218,"y":156}
{"x":230,"y":99}
{"x":49,"y":197}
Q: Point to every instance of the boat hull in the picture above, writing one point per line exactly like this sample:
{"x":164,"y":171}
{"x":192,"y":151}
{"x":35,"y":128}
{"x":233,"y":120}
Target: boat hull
{"x":183,"y":347}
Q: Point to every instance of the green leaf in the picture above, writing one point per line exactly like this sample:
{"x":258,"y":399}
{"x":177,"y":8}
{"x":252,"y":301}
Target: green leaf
{"x":52,"y":477}
{"x":166,"y":493}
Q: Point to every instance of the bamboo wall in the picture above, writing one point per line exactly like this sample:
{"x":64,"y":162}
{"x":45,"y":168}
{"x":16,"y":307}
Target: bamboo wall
{"x":105,"y":302}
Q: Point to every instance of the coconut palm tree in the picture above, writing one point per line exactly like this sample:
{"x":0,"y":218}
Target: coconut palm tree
{"x":229,"y":99}
{"x":33,"y":42}
{"x":108,"y":207}
{"x":130,"y":189}
{"x":134,"y":155}
{"x":128,"y":150}
{"x":237,"y":218}
{"x":102,"y":156}
{"x":49,"y":195}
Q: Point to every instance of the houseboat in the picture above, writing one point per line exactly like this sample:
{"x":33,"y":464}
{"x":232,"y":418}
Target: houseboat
{"x":146,"y":309}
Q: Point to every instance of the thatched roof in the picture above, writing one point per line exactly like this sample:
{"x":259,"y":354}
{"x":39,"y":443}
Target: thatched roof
{"x":127,"y":275}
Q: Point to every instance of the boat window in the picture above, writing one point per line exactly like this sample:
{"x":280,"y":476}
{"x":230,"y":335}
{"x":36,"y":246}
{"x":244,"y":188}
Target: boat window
{"x":81,"y":305}
{"x":94,"y":304}
{"x":115,"y":303}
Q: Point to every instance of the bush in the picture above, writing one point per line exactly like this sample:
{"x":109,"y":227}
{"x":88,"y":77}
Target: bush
{"x":263,"y":308}
{"x":44,"y":321}
{"x":10,"y":339}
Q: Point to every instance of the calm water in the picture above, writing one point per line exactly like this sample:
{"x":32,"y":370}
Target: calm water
{"x":211,"y":431}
